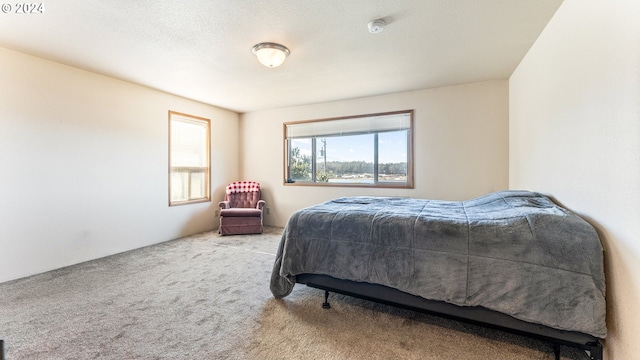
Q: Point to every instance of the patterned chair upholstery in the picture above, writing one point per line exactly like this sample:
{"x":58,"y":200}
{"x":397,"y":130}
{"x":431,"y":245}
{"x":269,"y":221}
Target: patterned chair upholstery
{"x":241,"y":210}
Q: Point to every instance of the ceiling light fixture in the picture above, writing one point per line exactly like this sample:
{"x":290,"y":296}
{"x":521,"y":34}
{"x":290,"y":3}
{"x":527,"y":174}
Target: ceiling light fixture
{"x":270,"y":54}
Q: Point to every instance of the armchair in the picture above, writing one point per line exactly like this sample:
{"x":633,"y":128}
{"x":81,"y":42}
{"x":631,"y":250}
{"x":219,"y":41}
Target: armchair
{"x":241,"y":210}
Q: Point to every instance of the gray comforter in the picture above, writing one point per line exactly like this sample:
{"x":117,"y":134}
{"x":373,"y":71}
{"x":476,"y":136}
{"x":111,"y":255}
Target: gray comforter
{"x":515,"y":252}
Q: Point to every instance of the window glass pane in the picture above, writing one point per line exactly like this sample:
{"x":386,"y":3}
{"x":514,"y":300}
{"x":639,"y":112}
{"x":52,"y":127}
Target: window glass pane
{"x":188,"y":143}
{"x":179,"y":185}
{"x":300,"y":159}
{"x":197,"y":185}
{"x":392,"y":156}
{"x":345,"y":159}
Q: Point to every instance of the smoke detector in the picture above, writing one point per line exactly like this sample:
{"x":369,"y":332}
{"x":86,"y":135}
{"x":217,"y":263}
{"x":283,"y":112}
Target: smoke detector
{"x":376,"y":26}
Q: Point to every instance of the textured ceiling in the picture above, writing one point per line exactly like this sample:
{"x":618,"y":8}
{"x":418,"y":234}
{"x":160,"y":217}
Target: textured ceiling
{"x":201,"y":49}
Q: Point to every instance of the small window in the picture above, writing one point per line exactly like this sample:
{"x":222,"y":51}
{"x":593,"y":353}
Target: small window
{"x":188,"y":159}
{"x":365,"y":150}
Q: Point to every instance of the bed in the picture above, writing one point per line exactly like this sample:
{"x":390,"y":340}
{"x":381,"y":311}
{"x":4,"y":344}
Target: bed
{"x":513,"y":260}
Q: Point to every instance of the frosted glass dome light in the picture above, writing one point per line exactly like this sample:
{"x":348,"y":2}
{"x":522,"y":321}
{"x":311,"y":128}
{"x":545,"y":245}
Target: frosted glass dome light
{"x":270,"y":54}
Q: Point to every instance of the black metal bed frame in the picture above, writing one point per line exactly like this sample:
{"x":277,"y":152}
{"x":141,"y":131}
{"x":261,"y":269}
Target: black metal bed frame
{"x":475,"y":315}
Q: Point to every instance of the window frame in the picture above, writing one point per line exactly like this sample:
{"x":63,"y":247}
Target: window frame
{"x":408,"y":184}
{"x":179,"y":116}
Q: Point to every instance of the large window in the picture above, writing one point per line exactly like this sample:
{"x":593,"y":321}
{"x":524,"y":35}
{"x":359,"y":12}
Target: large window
{"x":188,"y":159}
{"x":363,"y":150}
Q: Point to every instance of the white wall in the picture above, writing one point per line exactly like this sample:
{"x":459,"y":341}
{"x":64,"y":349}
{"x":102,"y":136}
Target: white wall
{"x":575,"y":135}
{"x":460,"y":151}
{"x":83,"y":166}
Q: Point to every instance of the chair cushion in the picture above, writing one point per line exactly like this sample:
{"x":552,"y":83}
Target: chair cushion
{"x":243,"y":199}
{"x":241,"y":212}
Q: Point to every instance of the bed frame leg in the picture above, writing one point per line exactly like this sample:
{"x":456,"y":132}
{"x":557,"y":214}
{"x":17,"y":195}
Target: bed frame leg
{"x":556,"y":351}
{"x":595,"y":351}
{"x":325,"y":304}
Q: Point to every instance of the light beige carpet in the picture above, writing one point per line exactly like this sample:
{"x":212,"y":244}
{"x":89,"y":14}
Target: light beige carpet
{"x":207,"y":297}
